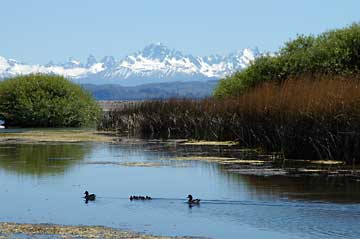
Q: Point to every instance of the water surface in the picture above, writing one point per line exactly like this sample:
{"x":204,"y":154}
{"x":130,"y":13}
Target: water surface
{"x":44,"y":183}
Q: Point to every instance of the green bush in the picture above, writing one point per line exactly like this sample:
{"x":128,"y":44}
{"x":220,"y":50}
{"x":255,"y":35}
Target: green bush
{"x":46,"y":101}
{"x":334,"y":52}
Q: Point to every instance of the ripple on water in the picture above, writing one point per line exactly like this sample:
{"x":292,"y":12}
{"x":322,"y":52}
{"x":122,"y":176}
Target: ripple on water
{"x":233,"y":205}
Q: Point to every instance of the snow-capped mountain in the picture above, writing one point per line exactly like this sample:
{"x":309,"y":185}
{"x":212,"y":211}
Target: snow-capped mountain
{"x":155,"y":63}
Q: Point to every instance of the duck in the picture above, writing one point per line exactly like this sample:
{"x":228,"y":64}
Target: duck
{"x":89,"y":197}
{"x":139,"y":198}
{"x":192,"y":201}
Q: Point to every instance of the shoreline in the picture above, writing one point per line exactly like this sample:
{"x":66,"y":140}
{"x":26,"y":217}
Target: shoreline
{"x":10,"y":230}
{"x":250,"y":162}
{"x":57,"y":135}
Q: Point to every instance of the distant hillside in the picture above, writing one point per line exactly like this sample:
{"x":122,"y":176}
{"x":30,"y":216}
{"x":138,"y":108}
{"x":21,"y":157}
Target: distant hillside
{"x":194,"y":90}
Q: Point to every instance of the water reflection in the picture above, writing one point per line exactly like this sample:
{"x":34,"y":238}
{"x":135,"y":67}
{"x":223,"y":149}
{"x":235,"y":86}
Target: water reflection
{"x":310,"y":188}
{"x":232,"y":205}
{"x":41,"y":159}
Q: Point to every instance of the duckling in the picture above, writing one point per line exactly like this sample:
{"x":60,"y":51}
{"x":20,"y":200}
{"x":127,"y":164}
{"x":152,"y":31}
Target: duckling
{"x":193,"y":201}
{"x":89,"y":197}
{"x":139,"y":198}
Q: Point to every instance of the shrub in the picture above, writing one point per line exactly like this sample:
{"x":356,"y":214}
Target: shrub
{"x":334,"y":52}
{"x":46,"y":101}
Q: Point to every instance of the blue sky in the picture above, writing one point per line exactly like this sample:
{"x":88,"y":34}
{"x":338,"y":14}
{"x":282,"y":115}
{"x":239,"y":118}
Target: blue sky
{"x":36,"y":31}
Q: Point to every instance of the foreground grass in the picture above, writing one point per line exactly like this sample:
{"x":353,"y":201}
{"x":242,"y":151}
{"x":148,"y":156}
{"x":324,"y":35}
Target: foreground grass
{"x":58,"y":136}
{"x":15,"y":230}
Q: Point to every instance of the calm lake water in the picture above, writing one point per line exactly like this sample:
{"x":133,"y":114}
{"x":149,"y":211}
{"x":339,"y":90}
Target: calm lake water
{"x":44,"y":183}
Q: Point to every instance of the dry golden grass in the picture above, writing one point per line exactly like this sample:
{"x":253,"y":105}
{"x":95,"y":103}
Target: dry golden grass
{"x":59,"y":136}
{"x":327,"y":162}
{"x":14,"y":230}
{"x":203,"y":158}
{"x":307,"y":95}
{"x":143,"y":164}
{"x":311,"y":117}
{"x":211,"y":143}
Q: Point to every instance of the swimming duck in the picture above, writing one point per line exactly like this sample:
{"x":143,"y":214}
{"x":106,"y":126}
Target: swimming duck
{"x":89,"y":197}
{"x":193,"y":201}
{"x":139,"y":198}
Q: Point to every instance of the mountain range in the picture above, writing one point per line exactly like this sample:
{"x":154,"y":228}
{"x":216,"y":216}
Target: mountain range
{"x":156,"y":63}
{"x":178,"y":89}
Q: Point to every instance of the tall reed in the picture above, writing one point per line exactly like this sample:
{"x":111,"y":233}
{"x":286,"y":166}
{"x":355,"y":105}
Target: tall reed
{"x":312,"y":117}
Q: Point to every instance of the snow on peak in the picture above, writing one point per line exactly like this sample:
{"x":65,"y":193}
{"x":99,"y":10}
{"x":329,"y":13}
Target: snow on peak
{"x":108,"y":61}
{"x":91,"y":60}
{"x":248,"y":53}
{"x":158,"y":51}
{"x":155,"y":63}
{"x":4,"y":64}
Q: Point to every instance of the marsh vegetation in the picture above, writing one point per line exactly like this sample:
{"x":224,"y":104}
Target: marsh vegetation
{"x":302,"y":118}
{"x":302,"y":103}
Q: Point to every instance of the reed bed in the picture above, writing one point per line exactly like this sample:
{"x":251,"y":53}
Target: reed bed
{"x":312,"y":117}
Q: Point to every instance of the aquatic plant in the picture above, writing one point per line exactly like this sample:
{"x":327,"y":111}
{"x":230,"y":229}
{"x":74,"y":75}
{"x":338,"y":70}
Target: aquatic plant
{"x":308,"y":117}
